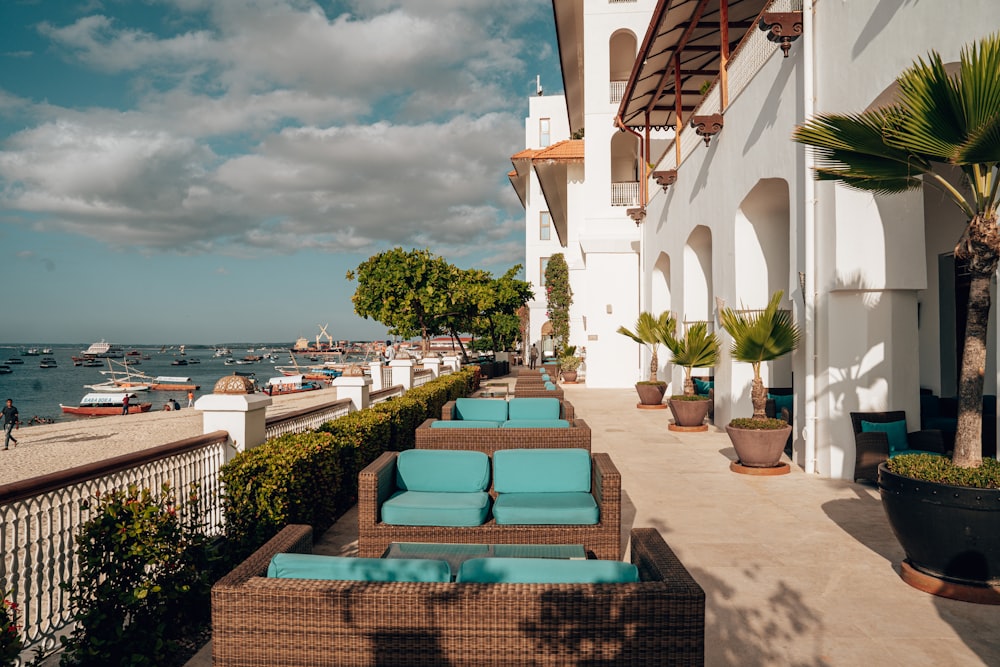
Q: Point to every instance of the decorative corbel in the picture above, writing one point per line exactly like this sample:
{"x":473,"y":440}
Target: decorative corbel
{"x":783,"y":27}
{"x":707,"y":126}
{"x":665,"y":178}
{"x":637,"y":215}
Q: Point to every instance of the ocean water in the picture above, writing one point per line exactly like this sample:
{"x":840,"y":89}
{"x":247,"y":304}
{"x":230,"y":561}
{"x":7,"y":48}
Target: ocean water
{"x":40,"y":391}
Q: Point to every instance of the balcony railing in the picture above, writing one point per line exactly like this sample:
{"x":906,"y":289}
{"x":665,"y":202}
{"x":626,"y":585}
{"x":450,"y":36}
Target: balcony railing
{"x":625,"y":194}
{"x":617,"y":91}
{"x":306,"y":420}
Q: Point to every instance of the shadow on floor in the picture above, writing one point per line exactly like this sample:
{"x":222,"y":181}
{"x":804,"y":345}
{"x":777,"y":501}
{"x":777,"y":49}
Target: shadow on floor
{"x":863,"y":518}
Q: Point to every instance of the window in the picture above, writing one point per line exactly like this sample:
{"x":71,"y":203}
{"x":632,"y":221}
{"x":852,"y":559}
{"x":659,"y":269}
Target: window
{"x":542,"y":263}
{"x":544,"y":132}
{"x":544,"y":226}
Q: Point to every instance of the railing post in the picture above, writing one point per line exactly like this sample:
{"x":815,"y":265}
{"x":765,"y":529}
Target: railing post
{"x":452,"y":362}
{"x":376,"y":371}
{"x":243,"y":416}
{"x":402,"y":373}
{"x":356,"y":388}
{"x":433,"y":364}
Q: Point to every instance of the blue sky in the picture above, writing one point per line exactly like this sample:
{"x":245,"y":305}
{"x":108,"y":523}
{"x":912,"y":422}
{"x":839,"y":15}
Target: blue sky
{"x":202,"y":171}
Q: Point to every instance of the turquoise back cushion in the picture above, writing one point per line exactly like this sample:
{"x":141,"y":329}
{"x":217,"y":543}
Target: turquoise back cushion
{"x":533,"y":408}
{"x":463,"y":423}
{"x":481,"y":409}
{"x":702,"y":386}
{"x":782,"y":401}
{"x":311,"y":566}
{"x":546,"y":571}
{"x":535,"y":423}
{"x":442,"y":470}
{"x":541,"y":470}
{"x":896,"y":432}
{"x":550,"y":386}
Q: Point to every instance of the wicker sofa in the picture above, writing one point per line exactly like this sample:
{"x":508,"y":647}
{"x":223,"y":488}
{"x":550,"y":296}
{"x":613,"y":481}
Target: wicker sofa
{"x":305,"y":622}
{"x":489,"y":440}
{"x":377,"y":483}
{"x":448,"y":411}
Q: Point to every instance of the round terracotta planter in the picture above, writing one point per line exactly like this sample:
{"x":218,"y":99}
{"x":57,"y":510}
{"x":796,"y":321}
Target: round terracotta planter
{"x":759,"y":448}
{"x":651,"y":395}
{"x":688,"y":415}
{"x":569,"y":376}
{"x":950,"y":534}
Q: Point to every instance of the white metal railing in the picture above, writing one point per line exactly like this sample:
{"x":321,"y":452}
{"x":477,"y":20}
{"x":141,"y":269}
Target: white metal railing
{"x":617,"y":91}
{"x":422,"y":376}
{"x":386,"y":376}
{"x":384,"y":395}
{"x":625,"y":194}
{"x":41,"y":517}
{"x":306,"y":420}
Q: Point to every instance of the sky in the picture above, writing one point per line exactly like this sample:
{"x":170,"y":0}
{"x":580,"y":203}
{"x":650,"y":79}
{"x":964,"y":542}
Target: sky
{"x":207,"y":171}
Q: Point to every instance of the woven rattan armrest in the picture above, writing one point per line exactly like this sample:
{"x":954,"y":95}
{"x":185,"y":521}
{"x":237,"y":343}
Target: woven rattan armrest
{"x":291,"y":539}
{"x":375,"y":484}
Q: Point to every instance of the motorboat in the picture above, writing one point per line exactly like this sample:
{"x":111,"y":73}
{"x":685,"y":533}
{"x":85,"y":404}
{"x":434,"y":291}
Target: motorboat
{"x":5,"y":369}
{"x":179,"y":362}
{"x":48,"y":362}
{"x":98,"y":404}
{"x":110,"y":387}
{"x":290,"y":384}
{"x":14,"y":361}
{"x":103,"y":349}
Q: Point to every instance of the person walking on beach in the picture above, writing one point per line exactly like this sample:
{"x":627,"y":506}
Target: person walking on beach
{"x":125,"y":404}
{"x":532,"y":356}
{"x":11,"y":421}
{"x":190,"y":398}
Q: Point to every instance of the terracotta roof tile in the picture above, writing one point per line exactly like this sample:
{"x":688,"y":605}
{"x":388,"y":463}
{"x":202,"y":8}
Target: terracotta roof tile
{"x":570,"y":150}
{"x":526,"y":154}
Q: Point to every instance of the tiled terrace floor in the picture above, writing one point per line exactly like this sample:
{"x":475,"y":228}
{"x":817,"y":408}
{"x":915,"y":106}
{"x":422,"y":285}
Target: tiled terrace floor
{"x":797,"y":570}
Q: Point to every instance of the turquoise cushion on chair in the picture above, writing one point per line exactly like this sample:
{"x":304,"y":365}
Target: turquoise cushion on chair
{"x":702,"y":386}
{"x":550,"y":386}
{"x":312,"y":566}
{"x":533,"y":408}
{"x":781,"y":401}
{"x":896,"y":432}
{"x":463,"y":423}
{"x":546,"y":571}
{"x":442,"y":470}
{"x":428,"y":508}
{"x":564,"y":509}
{"x":481,"y":409}
{"x":541,"y":470}
{"x":536,"y":423}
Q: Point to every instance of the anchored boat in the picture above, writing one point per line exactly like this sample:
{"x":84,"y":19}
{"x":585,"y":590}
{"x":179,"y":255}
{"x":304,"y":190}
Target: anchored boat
{"x":99,"y":404}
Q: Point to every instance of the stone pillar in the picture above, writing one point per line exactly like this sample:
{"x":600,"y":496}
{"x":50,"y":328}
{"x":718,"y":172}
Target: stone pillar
{"x":402,"y":372}
{"x":434,"y":364}
{"x":375,"y":368}
{"x":354,"y":387}
{"x":452,"y":362}
{"x":241,"y":415}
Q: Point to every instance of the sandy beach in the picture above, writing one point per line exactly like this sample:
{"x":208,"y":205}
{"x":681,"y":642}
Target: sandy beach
{"x":48,"y":448}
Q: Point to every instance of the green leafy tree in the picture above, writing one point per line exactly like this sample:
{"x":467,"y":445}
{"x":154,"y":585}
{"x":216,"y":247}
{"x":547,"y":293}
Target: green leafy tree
{"x":559,"y":298}
{"x":759,"y":336}
{"x":695,"y":349}
{"x":498,"y":300}
{"x":939,"y":121}
{"x":652,"y":331}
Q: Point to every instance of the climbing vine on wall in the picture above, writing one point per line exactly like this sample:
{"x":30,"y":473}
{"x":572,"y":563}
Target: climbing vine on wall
{"x":559,"y":296}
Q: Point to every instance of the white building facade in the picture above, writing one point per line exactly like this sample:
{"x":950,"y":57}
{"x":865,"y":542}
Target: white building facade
{"x":871,"y":280}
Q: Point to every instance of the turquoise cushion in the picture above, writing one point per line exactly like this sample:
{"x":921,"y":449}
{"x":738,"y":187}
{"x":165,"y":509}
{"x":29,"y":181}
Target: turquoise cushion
{"x":545,"y":376}
{"x":896,"y":431}
{"x":782,"y":401}
{"x":442,"y":470}
{"x":311,"y":566}
{"x":533,"y":408}
{"x":481,"y":409}
{"x":464,"y":423}
{"x":546,"y":571}
{"x":702,"y":386}
{"x":536,"y":423}
{"x":550,"y":386}
{"x":575,"y":509}
{"x":427,"y":508}
{"x":541,"y":470}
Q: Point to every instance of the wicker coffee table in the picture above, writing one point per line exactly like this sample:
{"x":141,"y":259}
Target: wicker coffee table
{"x":456,"y":554}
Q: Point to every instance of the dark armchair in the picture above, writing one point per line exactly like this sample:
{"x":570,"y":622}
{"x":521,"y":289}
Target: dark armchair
{"x":873,"y":446}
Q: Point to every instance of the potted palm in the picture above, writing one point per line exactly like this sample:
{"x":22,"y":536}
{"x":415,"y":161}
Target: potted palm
{"x":695,"y":349}
{"x":651,"y":331}
{"x":569,"y":364}
{"x":759,"y":336}
{"x":942,"y":130}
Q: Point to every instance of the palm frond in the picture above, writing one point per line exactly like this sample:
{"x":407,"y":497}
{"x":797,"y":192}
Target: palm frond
{"x":697,"y":348}
{"x":761,"y":335}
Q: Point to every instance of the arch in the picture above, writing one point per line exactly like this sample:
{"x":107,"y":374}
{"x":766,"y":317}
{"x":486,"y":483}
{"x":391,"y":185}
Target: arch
{"x":621,"y":54}
{"x":659,"y":292}
{"x":624,"y":158}
{"x":698,"y":287}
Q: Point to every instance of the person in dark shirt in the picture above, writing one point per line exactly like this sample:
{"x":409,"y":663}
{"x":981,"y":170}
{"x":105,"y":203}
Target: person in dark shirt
{"x":11,"y":421}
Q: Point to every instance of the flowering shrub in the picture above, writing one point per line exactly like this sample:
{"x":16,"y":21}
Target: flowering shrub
{"x":559,"y":297}
{"x":10,"y":630}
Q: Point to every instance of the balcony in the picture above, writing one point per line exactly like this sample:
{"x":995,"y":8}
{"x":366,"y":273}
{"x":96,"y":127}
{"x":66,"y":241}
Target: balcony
{"x":625,"y":194}
{"x":617,"y":91}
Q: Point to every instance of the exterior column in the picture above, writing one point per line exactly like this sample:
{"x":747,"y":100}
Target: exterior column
{"x":452,"y":362}
{"x":354,"y":387}
{"x":402,"y":372}
{"x":376,"y":370}
{"x":243,"y":416}
{"x":434,"y":364}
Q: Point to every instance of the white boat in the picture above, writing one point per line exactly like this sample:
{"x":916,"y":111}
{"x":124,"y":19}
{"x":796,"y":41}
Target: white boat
{"x":98,"y":404}
{"x":110,"y":387}
{"x":105,"y":350}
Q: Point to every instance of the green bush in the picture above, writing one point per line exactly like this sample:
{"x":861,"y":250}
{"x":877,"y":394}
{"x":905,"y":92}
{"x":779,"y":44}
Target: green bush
{"x":143,"y":582}
{"x":758,"y":424}
{"x":10,"y":630}
{"x":931,"y":468}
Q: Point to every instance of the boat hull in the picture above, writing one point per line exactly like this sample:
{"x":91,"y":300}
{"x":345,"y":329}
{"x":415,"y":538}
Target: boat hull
{"x":96,"y":411}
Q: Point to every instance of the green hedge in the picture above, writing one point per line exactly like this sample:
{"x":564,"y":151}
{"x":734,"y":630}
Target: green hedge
{"x":313,"y":477}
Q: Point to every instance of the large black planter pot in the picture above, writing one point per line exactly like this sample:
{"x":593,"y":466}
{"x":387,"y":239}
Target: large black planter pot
{"x":951,"y":535}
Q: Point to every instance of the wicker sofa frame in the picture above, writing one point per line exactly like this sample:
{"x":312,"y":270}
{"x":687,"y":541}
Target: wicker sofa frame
{"x":378,"y":481}
{"x":536,"y":390}
{"x":306,"y":622}
{"x":489,"y":440}
{"x":873,"y":447}
{"x":566,"y":410}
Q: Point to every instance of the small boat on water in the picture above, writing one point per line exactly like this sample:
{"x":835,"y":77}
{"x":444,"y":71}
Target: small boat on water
{"x":179,"y":362}
{"x":110,"y":387}
{"x":103,"y":349}
{"x":290,"y":384}
{"x":31,"y":352}
{"x":92,"y":363}
{"x":48,"y":362}
{"x":5,"y":369}
{"x":100,"y":404}
{"x":14,"y":360}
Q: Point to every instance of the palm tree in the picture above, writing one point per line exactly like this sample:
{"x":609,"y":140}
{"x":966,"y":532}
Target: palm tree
{"x":759,"y":336}
{"x":938,"y":121}
{"x":695,"y":349}
{"x":652,"y":332}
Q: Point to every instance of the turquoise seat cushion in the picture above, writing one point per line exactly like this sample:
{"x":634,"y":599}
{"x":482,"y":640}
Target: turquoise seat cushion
{"x":481,"y":409}
{"x":782,"y":401}
{"x":442,"y":470}
{"x":536,"y":423}
{"x":702,"y":386}
{"x":912,"y":451}
{"x":463,"y":423}
{"x":533,"y":408}
{"x":895,"y":431}
{"x":312,"y":566}
{"x":546,"y":571}
{"x":571,"y":508}
{"x":430,"y":508}
{"x":550,"y":386}
{"x":541,"y":470}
